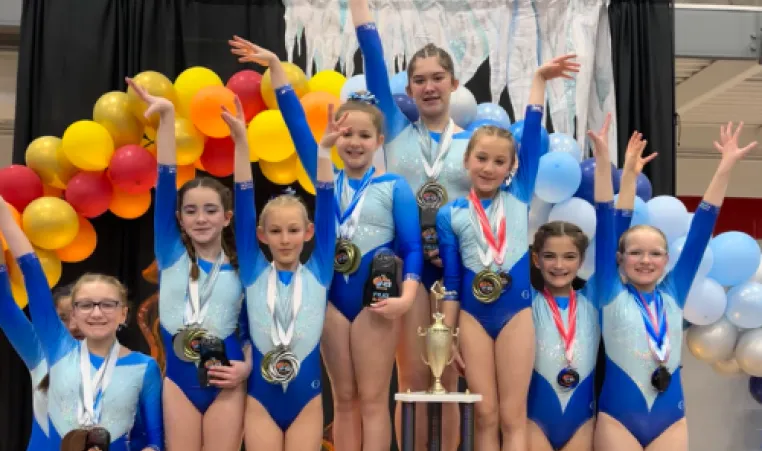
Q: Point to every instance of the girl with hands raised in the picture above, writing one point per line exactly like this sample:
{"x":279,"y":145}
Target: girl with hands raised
{"x":200,"y":298}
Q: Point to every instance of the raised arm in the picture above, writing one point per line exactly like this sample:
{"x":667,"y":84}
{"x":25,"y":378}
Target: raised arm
{"x":166,"y":234}
{"x":16,"y":326}
{"x":150,"y":407}
{"x":634,"y":162}
{"x":530,"y":150}
{"x":376,"y":76}
{"x":700,"y":233}
{"x":288,"y":102}
{"x":325,"y":216}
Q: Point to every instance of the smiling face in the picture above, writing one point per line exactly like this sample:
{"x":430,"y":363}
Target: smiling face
{"x":202,"y":215}
{"x":489,"y":160}
{"x":284,"y":228}
{"x":98,"y":309}
{"x":643,"y":256}
{"x":357,"y":146}
{"x":430,"y":84}
{"x":558,"y":252}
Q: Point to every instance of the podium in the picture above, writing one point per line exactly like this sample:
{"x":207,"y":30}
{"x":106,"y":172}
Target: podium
{"x":434,"y":404}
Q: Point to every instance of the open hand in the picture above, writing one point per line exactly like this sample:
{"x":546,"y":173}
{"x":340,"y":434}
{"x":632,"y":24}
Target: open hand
{"x":248,"y":52}
{"x":229,"y":376}
{"x":236,"y":121}
{"x":392,"y":308}
{"x":334,"y":129}
{"x":560,"y":66}
{"x":155,"y":104}
{"x":601,"y":139}
{"x":728,"y":144}
{"x":633,"y":156}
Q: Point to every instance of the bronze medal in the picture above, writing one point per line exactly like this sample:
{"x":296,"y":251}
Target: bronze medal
{"x":487,"y":286}
{"x":431,"y":195}
{"x":346,"y":259}
{"x":568,"y":378}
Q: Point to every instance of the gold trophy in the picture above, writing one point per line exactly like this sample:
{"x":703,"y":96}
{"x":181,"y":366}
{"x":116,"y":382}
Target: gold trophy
{"x":439,"y":341}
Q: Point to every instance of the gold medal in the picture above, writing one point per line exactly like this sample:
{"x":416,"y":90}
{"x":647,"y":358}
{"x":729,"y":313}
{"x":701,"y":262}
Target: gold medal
{"x":346,"y":260}
{"x":487,"y":286}
{"x":264,"y":367}
{"x":431,"y":195}
{"x":187,"y":344}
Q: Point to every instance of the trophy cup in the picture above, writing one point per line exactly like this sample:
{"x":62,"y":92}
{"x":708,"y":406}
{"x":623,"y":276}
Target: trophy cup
{"x":439,"y":339}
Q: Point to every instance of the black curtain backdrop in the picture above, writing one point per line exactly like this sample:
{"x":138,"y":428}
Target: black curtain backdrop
{"x":73,"y":51}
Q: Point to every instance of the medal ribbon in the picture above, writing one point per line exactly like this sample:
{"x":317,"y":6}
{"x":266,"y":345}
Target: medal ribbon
{"x":196,"y":306}
{"x":94,"y":386}
{"x":568,"y":335}
{"x":495,"y":246}
{"x":427,"y":145}
{"x":349,"y":218}
{"x":279,"y":335}
{"x":655,"y":323}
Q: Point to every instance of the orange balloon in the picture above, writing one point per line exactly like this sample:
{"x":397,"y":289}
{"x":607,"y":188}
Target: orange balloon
{"x":129,"y":206}
{"x":199,"y":166}
{"x":315,"y":106}
{"x":83,"y":245}
{"x":16,"y":217}
{"x":206,"y":109}
{"x":51,"y":191}
{"x":185,"y":174}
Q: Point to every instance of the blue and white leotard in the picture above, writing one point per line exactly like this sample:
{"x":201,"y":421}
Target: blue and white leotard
{"x":388,"y":211}
{"x":222,"y":314}
{"x":285,"y":403}
{"x":403,"y":150}
{"x":458,"y":242}
{"x":135,"y":384}
{"x":23,"y":338}
{"x":627,"y":394}
{"x":557,"y":411}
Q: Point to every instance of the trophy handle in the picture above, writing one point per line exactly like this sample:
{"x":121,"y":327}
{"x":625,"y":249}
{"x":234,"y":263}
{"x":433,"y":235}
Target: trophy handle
{"x":455,"y":342}
{"x":422,"y":333}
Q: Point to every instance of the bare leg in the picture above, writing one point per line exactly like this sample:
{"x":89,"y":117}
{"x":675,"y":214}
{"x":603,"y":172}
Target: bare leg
{"x":675,"y":438}
{"x":537,"y":439}
{"x":223,"y":421}
{"x":583,"y":438}
{"x":260,"y":431}
{"x":306,"y":432}
{"x":182,"y":421}
{"x":611,"y":434}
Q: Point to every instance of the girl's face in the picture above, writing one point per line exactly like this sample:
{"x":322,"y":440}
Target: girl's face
{"x":66,"y":314}
{"x":357,"y":146}
{"x":644,"y":258}
{"x":285,"y":231}
{"x":98,"y":310}
{"x":202,"y":215}
{"x":558,"y":262}
{"x":489,"y":163}
{"x":430,"y":85}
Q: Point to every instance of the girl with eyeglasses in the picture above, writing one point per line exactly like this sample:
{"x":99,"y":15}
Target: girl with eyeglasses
{"x":96,"y":386}
{"x":641,"y":405}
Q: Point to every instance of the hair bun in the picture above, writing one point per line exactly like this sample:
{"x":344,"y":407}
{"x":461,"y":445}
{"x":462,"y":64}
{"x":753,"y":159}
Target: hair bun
{"x":364,"y":97}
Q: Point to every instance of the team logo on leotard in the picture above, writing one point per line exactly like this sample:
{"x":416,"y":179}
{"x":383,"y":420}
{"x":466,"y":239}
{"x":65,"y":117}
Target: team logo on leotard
{"x":315,"y":384}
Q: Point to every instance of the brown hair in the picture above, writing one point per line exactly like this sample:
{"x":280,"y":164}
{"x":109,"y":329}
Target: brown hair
{"x":228,"y":235}
{"x":559,"y":229}
{"x":443,"y":58}
{"x":487,"y":131}
{"x":376,"y":116}
{"x":639,"y":227}
{"x":72,"y":291}
{"x":284,"y":200}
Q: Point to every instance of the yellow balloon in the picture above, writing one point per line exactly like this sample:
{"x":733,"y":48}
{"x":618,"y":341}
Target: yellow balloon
{"x":296,"y":79}
{"x":88,"y":145}
{"x":282,"y":173}
{"x":269,"y":139}
{"x":155,"y":84}
{"x":189,"y":142}
{"x":51,"y":266}
{"x":149,"y":140}
{"x":112,"y":111}
{"x":190,"y":82}
{"x":328,"y":81}
{"x":43,"y":157}
{"x":50,"y":223}
{"x":304,"y":179}
{"x":19,"y":295}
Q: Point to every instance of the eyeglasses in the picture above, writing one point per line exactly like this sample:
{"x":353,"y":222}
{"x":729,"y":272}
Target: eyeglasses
{"x":107,"y":306}
{"x":641,"y":255}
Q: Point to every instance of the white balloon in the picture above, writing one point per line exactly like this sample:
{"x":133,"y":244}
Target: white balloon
{"x":749,"y":352}
{"x":588,"y":266}
{"x":669,"y":215}
{"x":729,"y":366}
{"x":706,"y":302}
{"x":713,"y":342}
{"x":539,"y":210}
{"x":676,"y":248}
{"x":745,"y":305}
{"x":462,"y":107}
{"x":577,"y":211}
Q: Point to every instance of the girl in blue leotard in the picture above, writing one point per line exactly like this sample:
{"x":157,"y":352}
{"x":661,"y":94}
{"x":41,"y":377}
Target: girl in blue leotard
{"x":358,"y":343}
{"x":561,"y":394}
{"x":95,"y":382}
{"x":641,"y":405}
{"x":285,"y":304}
{"x":200,"y":293}
{"x":484,"y":247}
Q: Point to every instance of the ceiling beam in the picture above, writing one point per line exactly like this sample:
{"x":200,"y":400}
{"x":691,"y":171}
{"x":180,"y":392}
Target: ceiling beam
{"x":712,"y":81}
{"x":718,"y":32}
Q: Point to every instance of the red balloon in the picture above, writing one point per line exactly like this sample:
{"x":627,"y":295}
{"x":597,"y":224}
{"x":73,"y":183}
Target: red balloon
{"x":132,"y":169}
{"x":245,"y":84}
{"x":89,"y":193}
{"x":218,"y":157}
{"x":19,"y":186}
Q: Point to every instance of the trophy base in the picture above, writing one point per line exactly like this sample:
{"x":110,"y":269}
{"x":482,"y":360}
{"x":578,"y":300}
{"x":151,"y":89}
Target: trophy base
{"x":437,"y":388}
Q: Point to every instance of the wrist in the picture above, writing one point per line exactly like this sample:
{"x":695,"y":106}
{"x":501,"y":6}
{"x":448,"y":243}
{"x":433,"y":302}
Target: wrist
{"x":324,"y":151}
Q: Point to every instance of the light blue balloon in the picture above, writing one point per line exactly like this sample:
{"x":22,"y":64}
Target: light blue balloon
{"x":676,"y":248}
{"x":398,"y":83}
{"x":558,"y":177}
{"x":669,"y":215}
{"x":736,"y":258}
{"x":494,"y":113}
{"x":745,"y":305}
{"x":577,"y":211}
{"x":353,"y":84}
{"x":561,"y":142}
{"x":639,"y":213}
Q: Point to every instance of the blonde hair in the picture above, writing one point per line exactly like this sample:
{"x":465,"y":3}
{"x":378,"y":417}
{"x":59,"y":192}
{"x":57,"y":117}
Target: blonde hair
{"x":491,"y":131}
{"x":283,"y":201}
{"x":102,"y":278}
{"x":637,"y":228}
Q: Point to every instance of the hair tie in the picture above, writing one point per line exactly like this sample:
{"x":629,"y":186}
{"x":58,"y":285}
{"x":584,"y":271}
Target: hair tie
{"x":364,"y":97}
